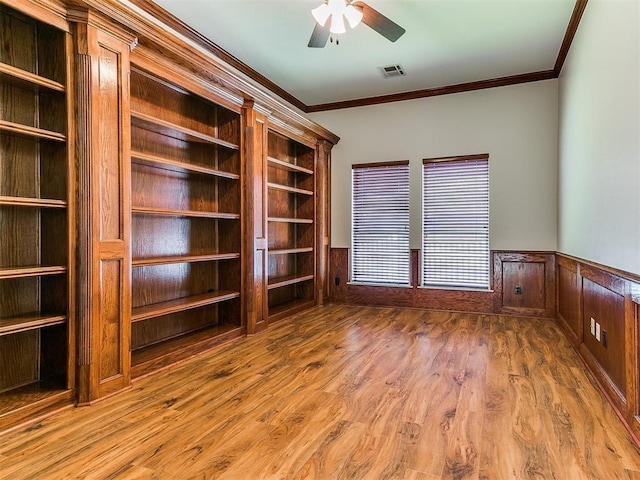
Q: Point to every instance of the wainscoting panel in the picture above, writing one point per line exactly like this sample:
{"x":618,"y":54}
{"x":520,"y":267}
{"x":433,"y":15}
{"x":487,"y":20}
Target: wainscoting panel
{"x":532,"y":271}
{"x":568,"y":298}
{"x":606,"y":343}
{"x":611,"y":298}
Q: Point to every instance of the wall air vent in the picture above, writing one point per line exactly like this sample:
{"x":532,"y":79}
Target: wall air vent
{"x":392,"y":71}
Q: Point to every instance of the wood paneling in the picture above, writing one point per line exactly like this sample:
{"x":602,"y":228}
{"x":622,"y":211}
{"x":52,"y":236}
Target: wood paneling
{"x":454,"y":300}
{"x":588,"y":290}
{"x":523,"y":285}
{"x":104,"y":189}
{"x":339,"y":274}
{"x":539,"y":278}
{"x":606,"y":308}
{"x":534,"y":273}
{"x":323,"y":220}
{"x":633,"y":369}
{"x":568,"y":298}
{"x":20,"y":359}
{"x":110,"y":323}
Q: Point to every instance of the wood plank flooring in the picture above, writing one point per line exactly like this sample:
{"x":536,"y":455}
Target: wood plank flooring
{"x":348,"y":392}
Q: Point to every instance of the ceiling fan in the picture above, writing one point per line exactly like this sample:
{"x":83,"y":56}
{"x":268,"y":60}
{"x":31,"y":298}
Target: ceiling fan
{"x":330,"y":19}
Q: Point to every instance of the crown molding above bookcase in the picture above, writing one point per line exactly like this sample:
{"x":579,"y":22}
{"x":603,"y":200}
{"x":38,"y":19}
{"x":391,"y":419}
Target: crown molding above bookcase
{"x":202,"y":55}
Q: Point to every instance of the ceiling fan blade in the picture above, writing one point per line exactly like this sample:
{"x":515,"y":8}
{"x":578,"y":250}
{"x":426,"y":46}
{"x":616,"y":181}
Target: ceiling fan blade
{"x":319,"y":36}
{"x":378,"y":22}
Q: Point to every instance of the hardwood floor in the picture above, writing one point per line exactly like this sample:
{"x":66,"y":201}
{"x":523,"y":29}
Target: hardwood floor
{"x":348,"y":392}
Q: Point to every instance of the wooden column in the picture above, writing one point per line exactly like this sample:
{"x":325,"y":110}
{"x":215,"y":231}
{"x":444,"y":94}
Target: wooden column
{"x":255,"y":220}
{"x":104,"y":294}
{"x":323,"y":162}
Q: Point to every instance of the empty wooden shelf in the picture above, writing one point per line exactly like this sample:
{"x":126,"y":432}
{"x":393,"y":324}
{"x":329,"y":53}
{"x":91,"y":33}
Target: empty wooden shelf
{"x":11,"y":75}
{"x":29,"y":322}
{"x":289,"y":166}
{"x":186,"y":221}
{"x":291,"y":223}
{"x":36,"y":222}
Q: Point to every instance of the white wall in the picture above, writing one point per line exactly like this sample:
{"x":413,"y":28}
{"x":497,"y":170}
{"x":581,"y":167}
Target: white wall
{"x":599,"y":159}
{"x":517,"y":125}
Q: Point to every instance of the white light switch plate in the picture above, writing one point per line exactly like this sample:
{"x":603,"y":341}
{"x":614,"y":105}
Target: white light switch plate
{"x":593,"y":326}
{"x":597,"y":331}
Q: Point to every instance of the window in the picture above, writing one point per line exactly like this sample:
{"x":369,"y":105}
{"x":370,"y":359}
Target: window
{"x":455,"y":218}
{"x":380,"y":223}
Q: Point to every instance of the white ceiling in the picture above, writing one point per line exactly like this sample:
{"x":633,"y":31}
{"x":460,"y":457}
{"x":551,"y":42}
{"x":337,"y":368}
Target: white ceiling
{"x":447,"y":42}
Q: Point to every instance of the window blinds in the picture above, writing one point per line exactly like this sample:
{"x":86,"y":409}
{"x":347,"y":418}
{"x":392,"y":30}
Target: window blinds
{"x":380,"y":223}
{"x":455,"y":213}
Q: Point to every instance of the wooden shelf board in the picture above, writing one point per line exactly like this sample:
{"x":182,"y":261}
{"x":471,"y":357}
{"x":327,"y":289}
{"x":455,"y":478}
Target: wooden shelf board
{"x":181,"y":304}
{"x":29,"y":79}
{"x":31,"y":271}
{"x":153,"y":357}
{"x":149,"y":122}
{"x":21,"y":403}
{"x":32,"y":202}
{"x":278,"y":282}
{"x":289,"y":166}
{"x":27,"y":131}
{"x":290,"y":220}
{"x":284,"y":251}
{"x":178,"y":166}
{"x":34,"y":321}
{"x":184,"y":213}
{"x":145,"y":262}
{"x":287,"y":188}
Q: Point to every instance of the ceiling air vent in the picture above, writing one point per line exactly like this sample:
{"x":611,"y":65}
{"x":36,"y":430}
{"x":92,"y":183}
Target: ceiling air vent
{"x":392,"y":71}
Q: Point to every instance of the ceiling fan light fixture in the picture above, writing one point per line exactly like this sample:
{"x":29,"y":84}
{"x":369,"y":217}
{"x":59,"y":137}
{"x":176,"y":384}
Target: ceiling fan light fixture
{"x":337,"y":24}
{"x":353,"y":15}
{"x":321,"y":14}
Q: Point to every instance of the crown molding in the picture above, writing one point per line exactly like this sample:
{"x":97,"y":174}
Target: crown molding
{"x":192,"y":35}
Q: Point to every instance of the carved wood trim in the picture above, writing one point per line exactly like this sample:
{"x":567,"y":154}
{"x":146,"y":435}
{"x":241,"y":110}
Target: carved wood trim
{"x":102,"y":23}
{"x":150,"y":61}
{"x":47,"y":11}
{"x":85,"y":212}
{"x":175,"y":44}
{"x":181,"y":27}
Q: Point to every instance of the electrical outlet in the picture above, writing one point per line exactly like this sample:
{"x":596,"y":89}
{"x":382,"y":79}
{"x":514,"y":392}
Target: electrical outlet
{"x":593,"y":326}
{"x":597,"y":331}
{"x":518,"y":290}
{"x":337,"y":280}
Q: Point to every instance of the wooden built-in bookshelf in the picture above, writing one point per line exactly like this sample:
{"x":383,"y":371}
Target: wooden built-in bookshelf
{"x":186,"y":229}
{"x":153,"y":203}
{"x":291,"y":224}
{"x":36,"y":218}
